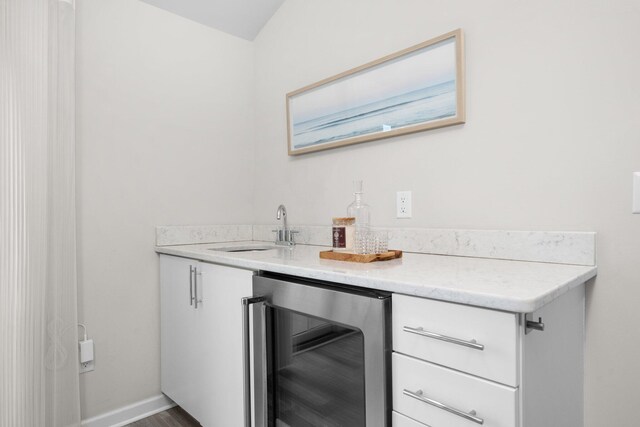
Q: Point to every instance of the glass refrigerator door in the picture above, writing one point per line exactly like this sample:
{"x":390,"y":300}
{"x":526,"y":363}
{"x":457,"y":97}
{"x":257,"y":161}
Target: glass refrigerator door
{"x":315,"y":372}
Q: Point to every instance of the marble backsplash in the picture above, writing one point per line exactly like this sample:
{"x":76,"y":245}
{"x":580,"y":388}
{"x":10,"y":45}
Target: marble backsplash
{"x":169,"y":235}
{"x":578,"y":248}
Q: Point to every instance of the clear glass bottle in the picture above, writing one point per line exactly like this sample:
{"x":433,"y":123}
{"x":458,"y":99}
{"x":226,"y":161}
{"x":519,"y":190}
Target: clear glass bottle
{"x":362,"y":213}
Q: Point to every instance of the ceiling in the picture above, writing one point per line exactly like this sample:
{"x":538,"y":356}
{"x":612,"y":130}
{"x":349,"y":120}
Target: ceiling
{"x":242,"y":18}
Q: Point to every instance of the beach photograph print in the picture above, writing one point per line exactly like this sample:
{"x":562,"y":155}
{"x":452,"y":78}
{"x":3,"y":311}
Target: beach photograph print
{"x":416,"y":89}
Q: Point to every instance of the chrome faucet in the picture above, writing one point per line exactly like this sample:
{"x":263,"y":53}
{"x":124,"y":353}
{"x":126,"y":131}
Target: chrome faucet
{"x":282,"y":214}
{"x":284,"y":236}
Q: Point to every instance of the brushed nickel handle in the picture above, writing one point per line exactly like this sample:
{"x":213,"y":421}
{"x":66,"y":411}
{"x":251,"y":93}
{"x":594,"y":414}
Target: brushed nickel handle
{"x":246,"y":355}
{"x":419,"y":331}
{"x":418,"y":395}
{"x":196,"y":273}
{"x":191,"y":285}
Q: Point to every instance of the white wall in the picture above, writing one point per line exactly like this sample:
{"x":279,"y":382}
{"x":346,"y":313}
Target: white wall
{"x":164,"y":119}
{"x":163,"y":106}
{"x":550,"y":142}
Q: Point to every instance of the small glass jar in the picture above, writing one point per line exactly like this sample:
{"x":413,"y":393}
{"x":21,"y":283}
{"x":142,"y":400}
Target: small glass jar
{"x":381,"y":242}
{"x":343,"y":234}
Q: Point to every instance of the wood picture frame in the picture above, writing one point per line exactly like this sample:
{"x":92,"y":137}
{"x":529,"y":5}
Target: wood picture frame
{"x":418,"y":88}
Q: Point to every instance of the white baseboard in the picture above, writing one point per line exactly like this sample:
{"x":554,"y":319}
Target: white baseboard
{"x":130,"y":413}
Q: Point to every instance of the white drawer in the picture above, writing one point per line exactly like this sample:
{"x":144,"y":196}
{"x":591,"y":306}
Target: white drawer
{"x":496,"y":331}
{"x":399,"y":420}
{"x":494,"y":404}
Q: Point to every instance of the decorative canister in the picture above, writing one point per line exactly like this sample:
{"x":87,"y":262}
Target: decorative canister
{"x":344,"y":231}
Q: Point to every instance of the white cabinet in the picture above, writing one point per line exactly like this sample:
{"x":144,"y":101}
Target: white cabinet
{"x":453,"y":365}
{"x":177,"y":334}
{"x":493,"y":403}
{"x":457,"y":365}
{"x":201,"y":338}
{"x":474,"y":340}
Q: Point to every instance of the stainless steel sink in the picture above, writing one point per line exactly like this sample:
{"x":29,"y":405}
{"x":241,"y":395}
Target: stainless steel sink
{"x":244,"y":248}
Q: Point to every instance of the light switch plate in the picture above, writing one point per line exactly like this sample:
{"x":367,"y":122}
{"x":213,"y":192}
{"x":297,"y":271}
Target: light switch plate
{"x":636,"y":193}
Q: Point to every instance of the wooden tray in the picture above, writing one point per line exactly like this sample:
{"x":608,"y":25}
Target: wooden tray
{"x":347,"y":256}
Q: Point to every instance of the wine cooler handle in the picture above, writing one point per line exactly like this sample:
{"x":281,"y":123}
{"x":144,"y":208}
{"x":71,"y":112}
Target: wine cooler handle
{"x":246,"y":355}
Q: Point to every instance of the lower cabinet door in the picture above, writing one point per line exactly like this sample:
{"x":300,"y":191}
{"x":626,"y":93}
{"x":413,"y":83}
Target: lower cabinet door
{"x":441,"y":397}
{"x":201,"y":344}
{"x":177,"y":332}
{"x":218,"y":350}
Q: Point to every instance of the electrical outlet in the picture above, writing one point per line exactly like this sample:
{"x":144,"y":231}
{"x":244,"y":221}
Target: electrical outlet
{"x":87,"y":362}
{"x":403,"y":204}
{"x":87,"y":366}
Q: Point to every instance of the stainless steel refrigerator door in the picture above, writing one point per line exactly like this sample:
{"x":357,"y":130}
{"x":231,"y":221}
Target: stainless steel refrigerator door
{"x":357,"y":310}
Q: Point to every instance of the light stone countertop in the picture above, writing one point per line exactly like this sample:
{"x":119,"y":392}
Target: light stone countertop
{"x":514,"y":286}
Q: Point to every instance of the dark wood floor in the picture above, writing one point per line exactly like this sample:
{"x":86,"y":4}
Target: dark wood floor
{"x":174,"y":417}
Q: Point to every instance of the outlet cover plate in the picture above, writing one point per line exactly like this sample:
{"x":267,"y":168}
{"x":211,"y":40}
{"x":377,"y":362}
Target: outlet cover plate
{"x":403,"y":204}
{"x":636,"y":193}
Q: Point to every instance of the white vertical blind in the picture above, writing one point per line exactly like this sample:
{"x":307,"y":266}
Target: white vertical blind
{"x":38,"y":315}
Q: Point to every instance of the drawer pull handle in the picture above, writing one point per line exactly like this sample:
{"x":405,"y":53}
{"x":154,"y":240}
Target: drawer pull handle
{"x":471,"y":415}
{"x":419,"y":331}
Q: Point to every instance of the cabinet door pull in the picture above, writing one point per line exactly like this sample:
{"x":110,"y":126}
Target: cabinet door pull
{"x":196,"y":300}
{"x":471,"y":415}
{"x":191,"y":285}
{"x":419,"y":331}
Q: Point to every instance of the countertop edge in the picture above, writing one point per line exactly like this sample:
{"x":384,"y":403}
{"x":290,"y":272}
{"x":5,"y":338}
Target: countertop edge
{"x":496,"y":302}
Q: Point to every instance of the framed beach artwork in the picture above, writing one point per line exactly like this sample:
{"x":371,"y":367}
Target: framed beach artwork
{"x":418,"y":88}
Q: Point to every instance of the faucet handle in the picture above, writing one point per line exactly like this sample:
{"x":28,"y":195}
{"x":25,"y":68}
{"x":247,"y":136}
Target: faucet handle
{"x":288,"y":236}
